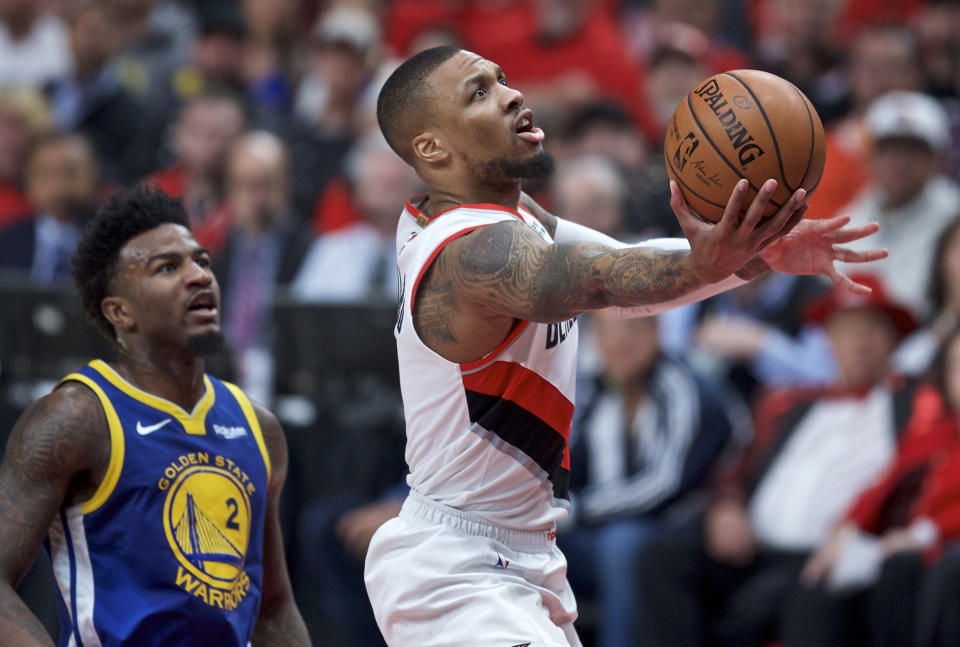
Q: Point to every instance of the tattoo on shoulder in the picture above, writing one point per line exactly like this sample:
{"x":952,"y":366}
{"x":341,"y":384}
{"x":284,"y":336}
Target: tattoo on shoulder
{"x":62,"y":434}
{"x":432,"y":307}
{"x":57,"y":453}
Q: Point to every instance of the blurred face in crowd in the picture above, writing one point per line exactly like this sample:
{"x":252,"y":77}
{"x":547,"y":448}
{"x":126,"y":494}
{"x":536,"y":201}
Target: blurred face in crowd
{"x":341,"y":68}
{"x":590,"y":191}
{"x":951,"y":372}
{"x":862,"y":340}
{"x":561,"y":18}
{"x":93,"y":37}
{"x":14,"y":137}
{"x":703,"y":14}
{"x":629,"y":347}
{"x":950,"y":271}
{"x":258,"y":182}
{"x":62,"y":177}
{"x":880,"y":61}
{"x":220,"y":59}
{"x":671,"y":78}
{"x":901,"y":167}
{"x":18,"y":15}
{"x":204,"y":132}
{"x":622,"y":144}
{"x":270,"y":18}
{"x":383,"y":181}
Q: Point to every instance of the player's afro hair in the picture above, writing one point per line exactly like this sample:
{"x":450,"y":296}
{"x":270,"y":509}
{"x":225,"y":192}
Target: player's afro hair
{"x":400,"y":105}
{"x":125,"y":215}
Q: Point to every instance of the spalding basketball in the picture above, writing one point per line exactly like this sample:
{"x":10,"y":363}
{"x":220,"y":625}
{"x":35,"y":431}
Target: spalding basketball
{"x":743,"y":124}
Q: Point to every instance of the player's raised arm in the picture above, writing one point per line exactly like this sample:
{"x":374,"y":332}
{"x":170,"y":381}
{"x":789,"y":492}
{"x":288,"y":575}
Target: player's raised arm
{"x":57,"y":451}
{"x":507,"y":269}
{"x":279,"y":623}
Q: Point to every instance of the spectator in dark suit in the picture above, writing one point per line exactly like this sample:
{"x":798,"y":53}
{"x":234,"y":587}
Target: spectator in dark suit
{"x":61,"y":182}
{"x":93,"y":100}
{"x":648,"y":434}
{"x":264,"y":249}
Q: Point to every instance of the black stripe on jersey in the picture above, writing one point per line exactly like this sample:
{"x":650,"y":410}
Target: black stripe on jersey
{"x":525,"y":431}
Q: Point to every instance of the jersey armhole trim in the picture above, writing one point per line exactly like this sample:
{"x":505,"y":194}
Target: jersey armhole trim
{"x":117,"y":445}
{"x":253,"y":421}
{"x":433,"y":256}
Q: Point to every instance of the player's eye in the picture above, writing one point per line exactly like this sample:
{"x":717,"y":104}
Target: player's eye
{"x":166,"y":268}
{"x":203,"y":261}
{"x":502,"y":80}
{"x":479,"y":93}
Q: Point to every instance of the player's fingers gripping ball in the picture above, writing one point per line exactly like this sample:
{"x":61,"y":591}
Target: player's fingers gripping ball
{"x":743,"y":124}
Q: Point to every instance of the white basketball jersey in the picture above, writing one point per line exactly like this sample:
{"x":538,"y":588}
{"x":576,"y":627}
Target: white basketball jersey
{"x":488,"y":437}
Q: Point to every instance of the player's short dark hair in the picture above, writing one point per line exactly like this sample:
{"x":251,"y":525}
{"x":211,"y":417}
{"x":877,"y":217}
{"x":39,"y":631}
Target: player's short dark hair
{"x":124,"y":215}
{"x":401,"y":106}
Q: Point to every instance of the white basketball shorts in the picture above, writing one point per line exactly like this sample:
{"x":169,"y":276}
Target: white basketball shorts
{"x":438,"y":577}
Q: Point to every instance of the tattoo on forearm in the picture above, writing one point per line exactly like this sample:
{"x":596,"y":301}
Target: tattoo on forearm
{"x":505,"y":267}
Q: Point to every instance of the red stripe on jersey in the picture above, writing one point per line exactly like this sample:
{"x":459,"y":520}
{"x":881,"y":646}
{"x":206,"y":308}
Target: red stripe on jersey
{"x":525,"y":388}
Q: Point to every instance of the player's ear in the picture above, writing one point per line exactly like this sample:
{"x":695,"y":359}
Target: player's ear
{"x":118,"y":312}
{"x":430,"y":147}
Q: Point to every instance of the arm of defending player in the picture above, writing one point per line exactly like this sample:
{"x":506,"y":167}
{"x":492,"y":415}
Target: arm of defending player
{"x":506,"y":269}
{"x":57,"y":448}
{"x":279,"y":623}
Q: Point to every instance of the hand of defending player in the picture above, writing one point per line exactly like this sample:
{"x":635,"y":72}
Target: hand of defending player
{"x":721,"y":249}
{"x":813,"y":246}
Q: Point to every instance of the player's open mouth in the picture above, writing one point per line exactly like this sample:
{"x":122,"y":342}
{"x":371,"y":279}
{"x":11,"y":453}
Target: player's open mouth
{"x":204,"y":303}
{"x":525,"y":129}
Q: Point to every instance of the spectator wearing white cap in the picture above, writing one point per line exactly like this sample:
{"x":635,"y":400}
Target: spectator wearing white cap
{"x":908,"y":194}
{"x":345,"y":52}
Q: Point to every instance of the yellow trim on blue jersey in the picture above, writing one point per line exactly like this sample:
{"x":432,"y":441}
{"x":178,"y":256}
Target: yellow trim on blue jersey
{"x":254,"y":423}
{"x":194,"y":423}
{"x":115,"y":465}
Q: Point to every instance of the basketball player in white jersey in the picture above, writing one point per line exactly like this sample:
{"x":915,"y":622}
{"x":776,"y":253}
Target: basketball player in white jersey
{"x":491,"y":286}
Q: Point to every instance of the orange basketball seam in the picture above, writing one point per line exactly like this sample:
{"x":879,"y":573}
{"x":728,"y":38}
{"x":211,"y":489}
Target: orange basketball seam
{"x":706,"y":135}
{"x":813,"y":134}
{"x":773,"y":134}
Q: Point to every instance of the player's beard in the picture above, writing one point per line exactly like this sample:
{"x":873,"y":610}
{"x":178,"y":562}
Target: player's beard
{"x":502,"y":169}
{"x":207,"y":343}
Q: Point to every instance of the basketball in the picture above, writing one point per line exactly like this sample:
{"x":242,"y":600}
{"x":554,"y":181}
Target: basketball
{"x":743,"y":124}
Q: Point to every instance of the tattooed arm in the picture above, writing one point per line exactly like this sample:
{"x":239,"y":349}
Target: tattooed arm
{"x":57,"y":453}
{"x":279,"y":623}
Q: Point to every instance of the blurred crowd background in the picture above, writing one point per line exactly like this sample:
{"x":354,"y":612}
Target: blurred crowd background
{"x":777,"y":465}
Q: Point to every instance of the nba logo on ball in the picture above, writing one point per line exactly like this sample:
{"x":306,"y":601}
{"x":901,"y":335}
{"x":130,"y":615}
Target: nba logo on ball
{"x":743,"y":124}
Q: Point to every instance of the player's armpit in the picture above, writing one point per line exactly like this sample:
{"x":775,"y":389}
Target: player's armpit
{"x":57,"y":453}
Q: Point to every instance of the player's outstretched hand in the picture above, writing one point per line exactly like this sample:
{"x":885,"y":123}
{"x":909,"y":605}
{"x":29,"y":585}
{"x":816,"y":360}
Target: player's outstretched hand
{"x":718,"y":250}
{"x":813,"y":246}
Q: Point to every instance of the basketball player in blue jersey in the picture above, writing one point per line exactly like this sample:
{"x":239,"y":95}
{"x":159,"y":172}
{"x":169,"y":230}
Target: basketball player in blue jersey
{"x":491,"y":286}
{"x":157,"y":486}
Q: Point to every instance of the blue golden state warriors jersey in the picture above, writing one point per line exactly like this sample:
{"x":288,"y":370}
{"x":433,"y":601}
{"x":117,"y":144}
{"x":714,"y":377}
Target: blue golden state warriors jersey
{"x":168,"y":550}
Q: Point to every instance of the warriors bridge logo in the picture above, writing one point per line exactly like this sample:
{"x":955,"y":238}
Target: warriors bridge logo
{"x":206,"y":519}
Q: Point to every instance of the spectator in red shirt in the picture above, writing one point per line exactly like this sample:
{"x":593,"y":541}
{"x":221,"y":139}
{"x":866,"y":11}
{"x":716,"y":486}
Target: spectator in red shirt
{"x":202,"y":134}
{"x":560,"y":53}
{"x":866,"y":577}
